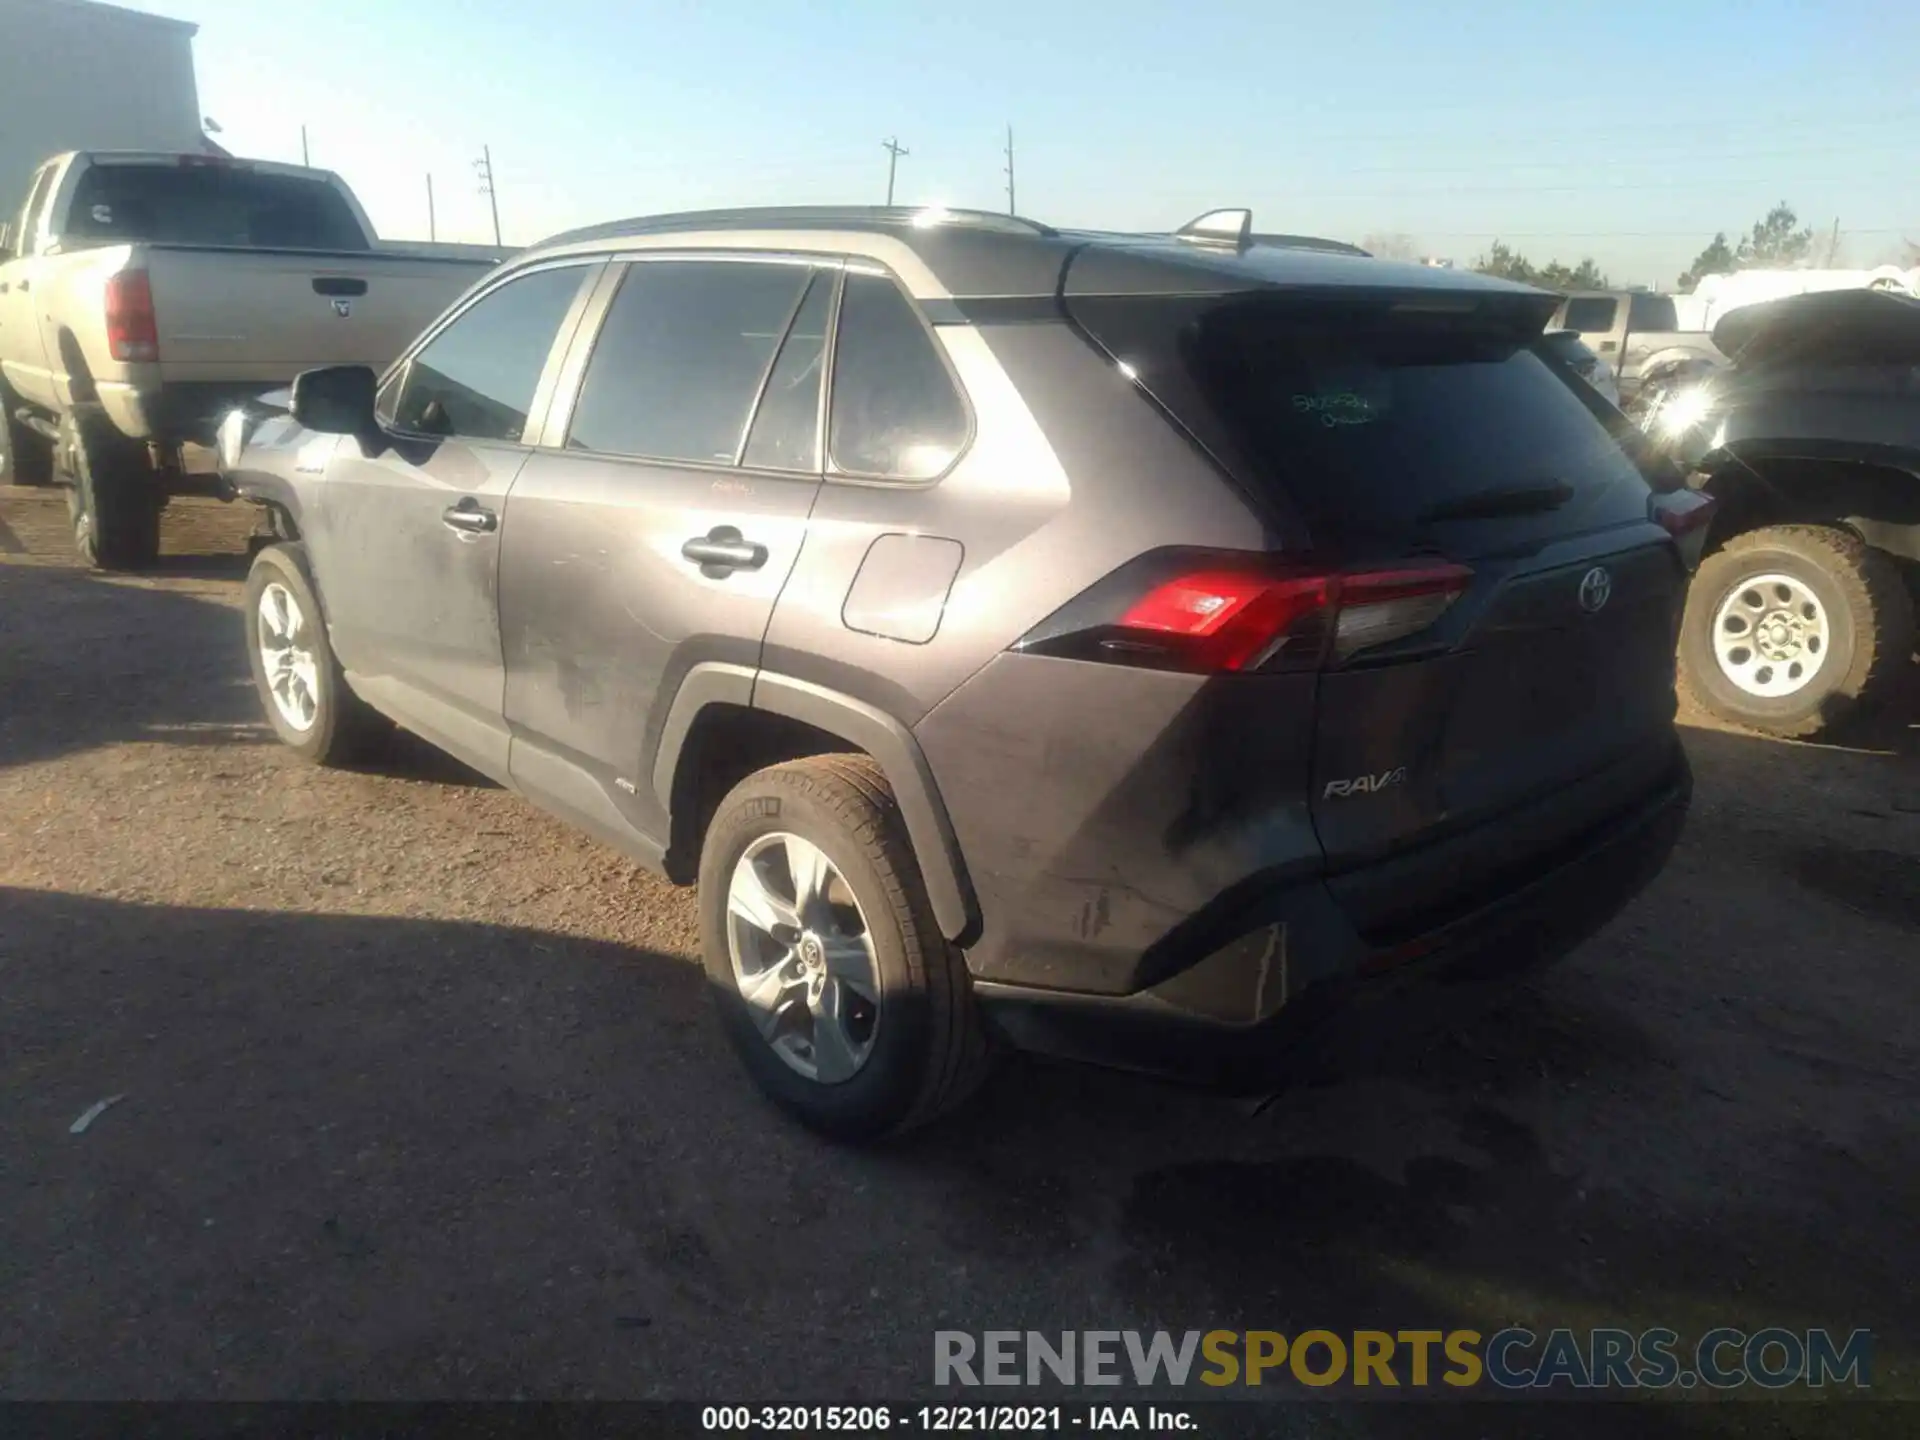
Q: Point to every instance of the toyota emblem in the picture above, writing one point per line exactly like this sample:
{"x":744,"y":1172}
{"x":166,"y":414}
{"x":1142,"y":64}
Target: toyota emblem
{"x":343,"y":308}
{"x":1596,"y":588}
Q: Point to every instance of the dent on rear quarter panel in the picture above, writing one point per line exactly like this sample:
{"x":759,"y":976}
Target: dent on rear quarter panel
{"x":1098,"y":807}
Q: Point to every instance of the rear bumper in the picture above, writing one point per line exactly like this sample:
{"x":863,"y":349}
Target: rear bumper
{"x":1232,"y":1020}
{"x":185,"y":411}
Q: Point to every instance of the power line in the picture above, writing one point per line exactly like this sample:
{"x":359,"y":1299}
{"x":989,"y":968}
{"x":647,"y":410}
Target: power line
{"x":894,"y":150}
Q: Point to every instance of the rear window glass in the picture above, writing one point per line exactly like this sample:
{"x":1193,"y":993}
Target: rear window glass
{"x":1372,"y":425}
{"x":1652,"y":312}
{"x":212,"y":205}
{"x":1591,"y":316}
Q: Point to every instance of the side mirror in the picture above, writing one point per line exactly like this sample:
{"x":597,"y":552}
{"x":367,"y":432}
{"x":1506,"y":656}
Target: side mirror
{"x":336,"y":400}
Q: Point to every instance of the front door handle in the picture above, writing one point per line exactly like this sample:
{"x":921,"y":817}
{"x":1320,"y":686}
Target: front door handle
{"x":722,"y":550}
{"x":470,"y":518}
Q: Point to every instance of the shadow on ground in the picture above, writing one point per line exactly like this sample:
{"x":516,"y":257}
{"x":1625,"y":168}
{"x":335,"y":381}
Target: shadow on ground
{"x":365,"y":1156}
{"x":92,"y":660}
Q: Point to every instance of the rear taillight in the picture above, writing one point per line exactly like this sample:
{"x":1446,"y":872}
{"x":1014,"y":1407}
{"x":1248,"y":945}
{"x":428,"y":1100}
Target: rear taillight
{"x":1381,"y":605}
{"x":132,"y":331}
{"x":1208,"y":613}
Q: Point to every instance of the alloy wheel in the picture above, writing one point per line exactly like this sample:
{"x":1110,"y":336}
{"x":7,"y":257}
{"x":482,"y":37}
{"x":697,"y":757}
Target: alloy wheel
{"x":803,"y":958}
{"x":287,"y":658}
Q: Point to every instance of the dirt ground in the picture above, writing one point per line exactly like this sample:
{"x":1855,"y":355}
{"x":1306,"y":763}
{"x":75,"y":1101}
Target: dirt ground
{"x":420,"y":1096}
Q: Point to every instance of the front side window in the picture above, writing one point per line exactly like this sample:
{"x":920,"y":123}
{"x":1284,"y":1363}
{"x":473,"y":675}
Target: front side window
{"x":679,"y":362}
{"x":896,"y":414}
{"x":476,"y":378}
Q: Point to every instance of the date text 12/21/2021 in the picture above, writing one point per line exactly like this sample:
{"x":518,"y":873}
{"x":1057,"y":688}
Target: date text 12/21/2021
{"x":944,"y":1419}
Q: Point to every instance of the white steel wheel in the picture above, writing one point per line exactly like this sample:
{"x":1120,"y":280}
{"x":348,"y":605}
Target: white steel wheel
{"x":1771,"y":635}
{"x":803,"y":958}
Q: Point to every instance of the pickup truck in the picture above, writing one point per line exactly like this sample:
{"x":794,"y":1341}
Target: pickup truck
{"x":1803,"y":611}
{"x":145,"y":296}
{"x":1634,"y":331}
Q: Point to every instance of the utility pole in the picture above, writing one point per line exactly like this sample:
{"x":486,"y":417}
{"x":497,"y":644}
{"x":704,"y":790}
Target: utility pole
{"x":1833,"y":245}
{"x":303,"y":146}
{"x":433,"y":228}
{"x":894,"y":150}
{"x":485,"y":166}
{"x":1011,"y":210}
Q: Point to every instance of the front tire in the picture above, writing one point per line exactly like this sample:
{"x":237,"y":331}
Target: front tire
{"x":1792,"y":628}
{"x":301,"y":688}
{"x":845,"y":1002}
{"x":115,"y":499}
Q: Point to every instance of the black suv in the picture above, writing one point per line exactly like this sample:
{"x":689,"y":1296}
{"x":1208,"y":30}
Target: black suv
{"x":1123,"y":646}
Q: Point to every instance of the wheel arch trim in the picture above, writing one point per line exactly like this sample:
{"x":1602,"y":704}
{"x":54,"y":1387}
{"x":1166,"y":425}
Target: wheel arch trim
{"x":936,"y":848}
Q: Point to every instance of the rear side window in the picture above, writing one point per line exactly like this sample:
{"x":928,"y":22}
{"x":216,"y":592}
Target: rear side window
{"x":1590,"y":316}
{"x":680,"y":360}
{"x":476,"y":378}
{"x":896,"y":412}
{"x":1374,"y":425}
{"x":212,"y":205}
{"x":30,"y":217}
{"x":1652,"y":312}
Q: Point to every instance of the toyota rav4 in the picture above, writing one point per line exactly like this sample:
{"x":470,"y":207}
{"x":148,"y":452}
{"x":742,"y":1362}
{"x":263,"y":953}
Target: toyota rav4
{"x":1145,"y":649}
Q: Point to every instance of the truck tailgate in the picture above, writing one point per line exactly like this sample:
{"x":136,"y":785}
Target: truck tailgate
{"x":266,"y":315}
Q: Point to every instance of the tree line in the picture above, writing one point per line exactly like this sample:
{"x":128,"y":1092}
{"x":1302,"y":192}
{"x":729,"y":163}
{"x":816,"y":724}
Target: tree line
{"x":1777,"y":241}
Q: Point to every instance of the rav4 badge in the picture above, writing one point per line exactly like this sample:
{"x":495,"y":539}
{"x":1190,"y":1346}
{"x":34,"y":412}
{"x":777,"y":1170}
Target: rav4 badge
{"x":1365,"y":784}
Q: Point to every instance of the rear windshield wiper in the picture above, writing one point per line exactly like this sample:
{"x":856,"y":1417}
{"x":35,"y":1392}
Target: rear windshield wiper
{"x":1492,"y":504}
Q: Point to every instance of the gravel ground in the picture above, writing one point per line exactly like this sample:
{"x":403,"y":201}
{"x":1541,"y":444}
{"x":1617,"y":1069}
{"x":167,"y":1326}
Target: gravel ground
{"x":421,"y":1098}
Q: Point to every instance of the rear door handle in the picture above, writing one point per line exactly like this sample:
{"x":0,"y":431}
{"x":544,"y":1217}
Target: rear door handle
{"x":722,"y":550}
{"x":470,"y":518}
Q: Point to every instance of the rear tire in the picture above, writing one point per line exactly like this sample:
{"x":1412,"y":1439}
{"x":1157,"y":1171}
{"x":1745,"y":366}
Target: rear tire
{"x":916,"y":1044}
{"x":115,"y":499}
{"x":307,"y":700}
{"x":1794,"y":595}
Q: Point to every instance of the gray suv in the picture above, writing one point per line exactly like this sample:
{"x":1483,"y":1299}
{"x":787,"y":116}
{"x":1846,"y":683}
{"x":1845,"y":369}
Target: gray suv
{"x":1151,"y":650}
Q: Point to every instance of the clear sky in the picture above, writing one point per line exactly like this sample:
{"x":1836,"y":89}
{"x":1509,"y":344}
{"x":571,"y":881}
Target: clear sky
{"x":1629,"y":131}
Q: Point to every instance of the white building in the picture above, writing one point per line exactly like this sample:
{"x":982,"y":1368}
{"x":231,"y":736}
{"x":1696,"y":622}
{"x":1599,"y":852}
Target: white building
{"x":78,"y":75}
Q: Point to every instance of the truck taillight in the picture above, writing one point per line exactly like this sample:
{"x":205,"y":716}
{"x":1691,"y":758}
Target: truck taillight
{"x":1175,"y":610}
{"x":132,"y":331}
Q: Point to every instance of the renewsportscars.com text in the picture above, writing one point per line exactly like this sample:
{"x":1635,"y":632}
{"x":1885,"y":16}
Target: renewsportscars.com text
{"x":1512,"y":1359}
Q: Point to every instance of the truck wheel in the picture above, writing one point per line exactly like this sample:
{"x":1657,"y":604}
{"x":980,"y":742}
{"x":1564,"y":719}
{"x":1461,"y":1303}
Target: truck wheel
{"x":27,"y":456}
{"x":1792,"y":628}
{"x":115,"y":498}
{"x":846,"y":1003}
{"x":307,"y":699}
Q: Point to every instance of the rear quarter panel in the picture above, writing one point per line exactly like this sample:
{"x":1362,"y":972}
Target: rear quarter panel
{"x":71,"y":291}
{"x":1071,"y":473}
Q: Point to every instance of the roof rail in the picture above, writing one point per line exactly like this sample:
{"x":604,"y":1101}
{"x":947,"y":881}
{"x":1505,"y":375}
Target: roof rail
{"x":802,"y":217}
